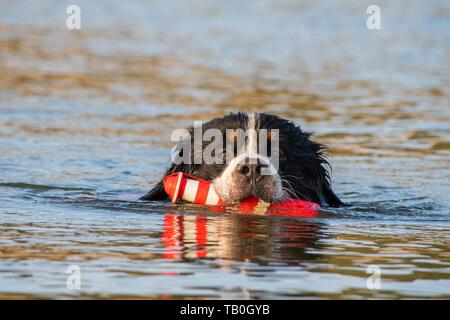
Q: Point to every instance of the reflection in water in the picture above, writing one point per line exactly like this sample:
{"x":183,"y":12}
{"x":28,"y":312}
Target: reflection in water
{"x":239,"y":237}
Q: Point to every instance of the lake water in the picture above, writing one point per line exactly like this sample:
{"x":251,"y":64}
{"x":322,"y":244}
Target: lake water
{"x":85,"y":124}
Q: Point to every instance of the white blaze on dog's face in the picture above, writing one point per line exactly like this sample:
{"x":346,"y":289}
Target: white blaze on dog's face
{"x":251,"y":172}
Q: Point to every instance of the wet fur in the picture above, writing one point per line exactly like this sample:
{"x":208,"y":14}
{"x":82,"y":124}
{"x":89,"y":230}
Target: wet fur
{"x":303,"y":168}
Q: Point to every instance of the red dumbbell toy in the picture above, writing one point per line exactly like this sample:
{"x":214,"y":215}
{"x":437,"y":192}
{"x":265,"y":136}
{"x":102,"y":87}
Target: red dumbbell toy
{"x":183,"y":186}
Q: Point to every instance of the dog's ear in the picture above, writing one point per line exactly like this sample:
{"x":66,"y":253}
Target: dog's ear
{"x":323,"y":170}
{"x":330,"y":197}
{"x":157,"y":193}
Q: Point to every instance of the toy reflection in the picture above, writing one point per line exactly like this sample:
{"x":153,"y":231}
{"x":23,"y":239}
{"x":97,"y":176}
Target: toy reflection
{"x":242,"y":237}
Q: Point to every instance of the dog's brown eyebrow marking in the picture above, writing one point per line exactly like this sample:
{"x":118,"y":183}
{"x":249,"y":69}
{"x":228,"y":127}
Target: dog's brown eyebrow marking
{"x":232,"y":135}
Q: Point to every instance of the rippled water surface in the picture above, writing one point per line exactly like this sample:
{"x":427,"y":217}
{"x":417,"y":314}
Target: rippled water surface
{"x":85,"y":122}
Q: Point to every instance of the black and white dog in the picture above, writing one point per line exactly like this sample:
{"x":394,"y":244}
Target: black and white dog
{"x":300,"y":171}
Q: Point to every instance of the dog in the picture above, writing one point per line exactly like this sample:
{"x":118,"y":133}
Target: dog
{"x":299,"y":170}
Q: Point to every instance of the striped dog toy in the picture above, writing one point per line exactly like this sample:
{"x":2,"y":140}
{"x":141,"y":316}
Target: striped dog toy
{"x":183,"y":186}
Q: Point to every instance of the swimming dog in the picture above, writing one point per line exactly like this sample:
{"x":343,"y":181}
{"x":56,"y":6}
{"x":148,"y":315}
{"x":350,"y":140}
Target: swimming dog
{"x":295,"y":167}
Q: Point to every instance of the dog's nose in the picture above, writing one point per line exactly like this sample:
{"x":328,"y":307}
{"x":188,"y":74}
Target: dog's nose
{"x":250,"y":170}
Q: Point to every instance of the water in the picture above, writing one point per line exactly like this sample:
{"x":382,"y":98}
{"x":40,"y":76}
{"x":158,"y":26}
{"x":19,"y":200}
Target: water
{"x":86,"y":118}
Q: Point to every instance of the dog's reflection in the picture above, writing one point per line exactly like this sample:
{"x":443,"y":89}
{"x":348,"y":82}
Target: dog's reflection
{"x":238,"y":237}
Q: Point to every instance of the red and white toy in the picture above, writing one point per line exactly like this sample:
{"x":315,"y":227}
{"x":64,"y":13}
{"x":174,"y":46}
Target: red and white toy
{"x":182,"y":186}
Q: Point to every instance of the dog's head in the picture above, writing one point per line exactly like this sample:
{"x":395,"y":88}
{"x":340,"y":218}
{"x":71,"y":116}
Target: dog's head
{"x":253,"y":154}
